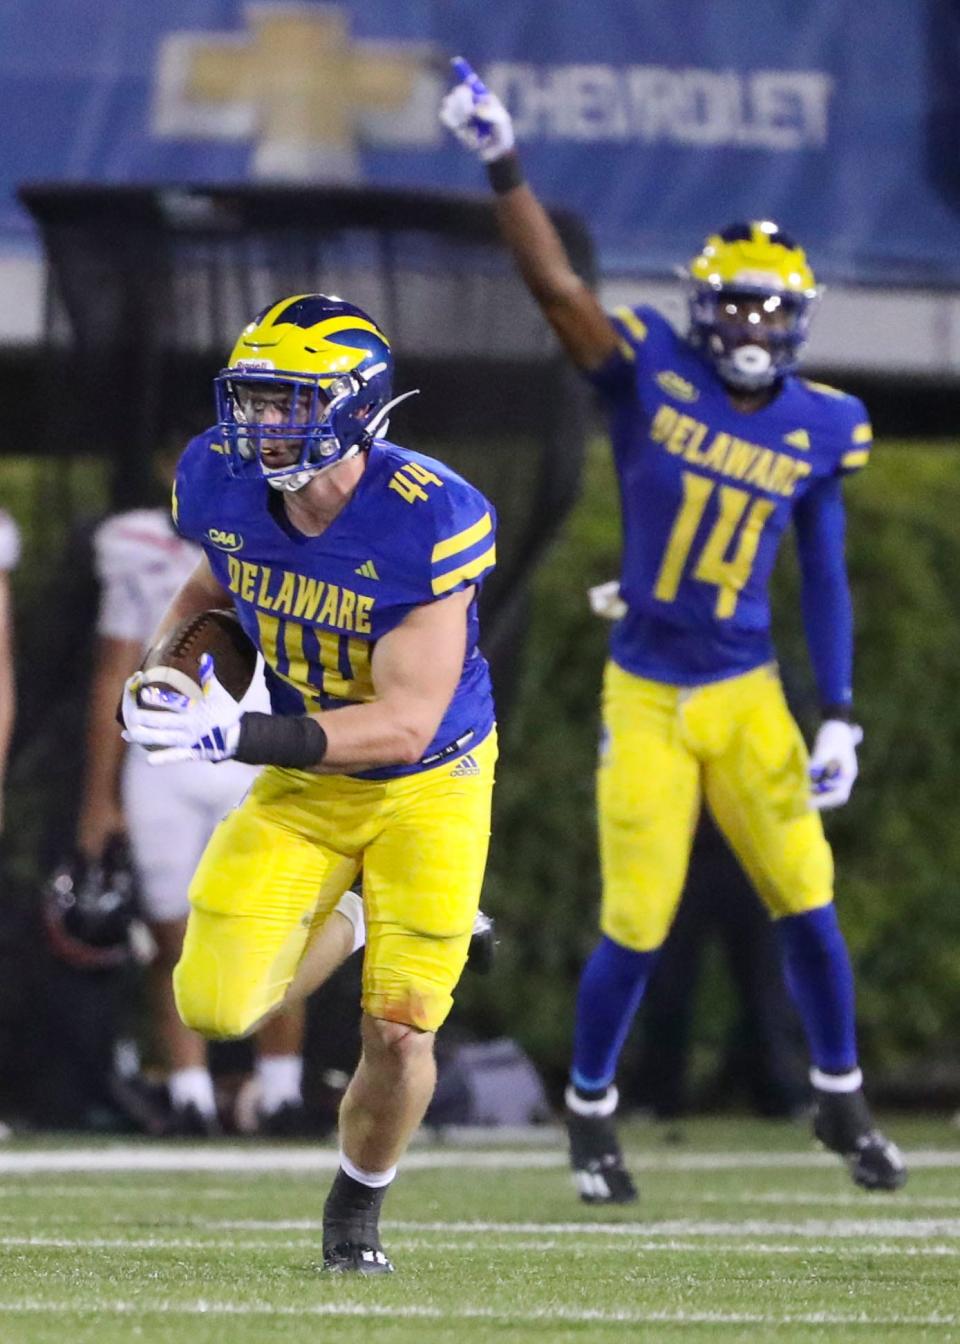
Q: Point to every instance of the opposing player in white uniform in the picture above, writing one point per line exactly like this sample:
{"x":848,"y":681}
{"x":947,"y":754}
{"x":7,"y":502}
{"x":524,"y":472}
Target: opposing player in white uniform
{"x":9,"y":554}
{"x":167,"y":815}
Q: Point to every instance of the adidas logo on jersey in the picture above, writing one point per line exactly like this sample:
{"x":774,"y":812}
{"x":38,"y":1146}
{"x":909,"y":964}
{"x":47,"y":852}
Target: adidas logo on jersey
{"x":367,"y":570}
{"x":466,"y":765}
{"x":799,"y":438}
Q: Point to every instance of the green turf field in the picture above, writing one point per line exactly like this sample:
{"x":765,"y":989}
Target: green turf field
{"x":744,"y":1232}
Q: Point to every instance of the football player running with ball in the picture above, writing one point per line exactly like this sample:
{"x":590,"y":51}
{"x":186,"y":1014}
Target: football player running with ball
{"x":718,"y":445}
{"x":353,"y":566}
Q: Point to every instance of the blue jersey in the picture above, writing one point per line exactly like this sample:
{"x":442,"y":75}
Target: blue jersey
{"x":706,"y":493}
{"x":412,"y":532}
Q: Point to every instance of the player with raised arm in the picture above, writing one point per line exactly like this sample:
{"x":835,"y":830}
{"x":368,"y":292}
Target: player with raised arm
{"x":718,"y":446}
{"x":353,"y":565}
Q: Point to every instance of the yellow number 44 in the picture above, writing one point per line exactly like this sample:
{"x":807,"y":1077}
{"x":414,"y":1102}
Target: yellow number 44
{"x":729,"y":575}
{"x":410,"y":480}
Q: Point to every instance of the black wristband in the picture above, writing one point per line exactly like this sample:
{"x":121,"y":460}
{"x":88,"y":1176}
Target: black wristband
{"x":296,"y":741}
{"x":842,"y":712}
{"x":505,"y":173}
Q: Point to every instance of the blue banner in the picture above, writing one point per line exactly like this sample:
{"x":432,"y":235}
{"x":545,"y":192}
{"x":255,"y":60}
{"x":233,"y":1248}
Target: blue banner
{"x":657,"y":122}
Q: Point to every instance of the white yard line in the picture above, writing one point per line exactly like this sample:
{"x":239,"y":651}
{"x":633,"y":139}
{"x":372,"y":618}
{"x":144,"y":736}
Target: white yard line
{"x":660,"y":1227}
{"x":625,"y":1316}
{"x":808,"y":1227}
{"x":488,"y":1245}
{"x":142,"y":1192}
{"x":265,"y":1158}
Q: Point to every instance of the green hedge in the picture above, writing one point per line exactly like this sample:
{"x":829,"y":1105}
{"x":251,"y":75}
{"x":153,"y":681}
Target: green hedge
{"x":897,"y":843}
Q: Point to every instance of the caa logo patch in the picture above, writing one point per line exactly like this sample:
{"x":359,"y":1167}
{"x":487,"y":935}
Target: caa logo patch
{"x":224,"y":541}
{"x":675,"y":386}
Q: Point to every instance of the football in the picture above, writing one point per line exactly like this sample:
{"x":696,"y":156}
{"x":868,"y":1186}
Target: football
{"x":175,"y":660}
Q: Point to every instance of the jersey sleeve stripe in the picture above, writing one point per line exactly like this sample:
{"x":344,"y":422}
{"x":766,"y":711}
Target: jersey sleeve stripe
{"x":858,"y":458}
{"x":472,"y":570}
{"x":631,"y":323}
{"x":461,"y":541}
{"x":862,"y":434}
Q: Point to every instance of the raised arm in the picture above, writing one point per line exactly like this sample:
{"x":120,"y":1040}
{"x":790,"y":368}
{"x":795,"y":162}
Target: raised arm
{"x":481,"y":122}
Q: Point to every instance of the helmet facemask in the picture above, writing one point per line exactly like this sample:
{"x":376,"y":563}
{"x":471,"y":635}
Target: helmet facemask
{"x":751,"y":297}
{"x":308,"y":386}
{"x":751,"y":336}
{"x":324,"y":422}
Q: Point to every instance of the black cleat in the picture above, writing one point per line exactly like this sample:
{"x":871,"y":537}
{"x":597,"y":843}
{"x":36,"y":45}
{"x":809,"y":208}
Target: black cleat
{"x":289,"y":1121}
{"x":351,"y":1236}
{"x":483,"y":943}
{"x":843,"y":1123}
{"x":599,"y":1173}
{"x":354,"y":1257}
{"x":189,"y":1122}
{"x":144,"y":1105}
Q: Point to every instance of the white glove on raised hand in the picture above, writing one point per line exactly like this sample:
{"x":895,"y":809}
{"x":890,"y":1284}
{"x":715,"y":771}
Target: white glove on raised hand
{"x":476,"y":116}
{"x":833,"y":763}
{"x":175,"y":727}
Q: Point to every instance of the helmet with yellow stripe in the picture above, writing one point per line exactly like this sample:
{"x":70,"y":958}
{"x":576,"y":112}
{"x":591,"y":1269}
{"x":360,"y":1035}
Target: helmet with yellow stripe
{"x":308,"y":385}
{"x":751,"y":297}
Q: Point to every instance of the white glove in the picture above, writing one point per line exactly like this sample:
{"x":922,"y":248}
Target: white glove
{"x":605,"y":600}
{"x":175,"y":727}
{"x":476,"y":116}
{"x":833,"y":763}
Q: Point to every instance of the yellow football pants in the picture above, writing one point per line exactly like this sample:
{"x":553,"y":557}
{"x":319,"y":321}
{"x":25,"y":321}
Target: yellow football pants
{"x":277,"y":865}
{"x":665,"y":748}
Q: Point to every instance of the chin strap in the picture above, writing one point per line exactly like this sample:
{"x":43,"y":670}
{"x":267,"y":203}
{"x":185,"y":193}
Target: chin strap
{"x":378,"y":425}
{"x":298,"y":479}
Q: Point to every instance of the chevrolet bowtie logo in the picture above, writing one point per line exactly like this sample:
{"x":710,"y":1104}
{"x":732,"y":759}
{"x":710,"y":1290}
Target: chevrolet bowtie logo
{"x":367,"y":570}
{"x":298,"y":85}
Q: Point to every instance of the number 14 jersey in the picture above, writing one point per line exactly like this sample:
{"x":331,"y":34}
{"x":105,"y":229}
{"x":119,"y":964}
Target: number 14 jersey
{"x":706,"y":493}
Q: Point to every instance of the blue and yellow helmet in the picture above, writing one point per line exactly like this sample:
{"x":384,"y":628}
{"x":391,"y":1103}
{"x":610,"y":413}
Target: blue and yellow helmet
{"x":751,"y":293}
{"x":335,"y":365}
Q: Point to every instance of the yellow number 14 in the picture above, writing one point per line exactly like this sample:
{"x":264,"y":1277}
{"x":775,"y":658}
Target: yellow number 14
{"x":713,"y":566}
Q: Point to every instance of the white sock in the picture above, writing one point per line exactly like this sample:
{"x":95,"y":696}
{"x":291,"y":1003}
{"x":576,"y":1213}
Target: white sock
{"x":601,"y":1106}
{"x":192,"y":1087}
{"x":351,"y":907}
{"x":280,"y":1077}
{"x":374,"y":1179}
{"x":836,"y":1082}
